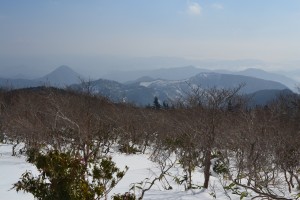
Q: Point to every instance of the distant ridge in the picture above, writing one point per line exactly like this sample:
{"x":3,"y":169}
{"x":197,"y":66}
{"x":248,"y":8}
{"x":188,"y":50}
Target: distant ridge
{"x":176,"y":73}
{"x":175,"y":83}
{"x":189,"y":71}
{"x":8,"y":83}
{"x":258,"y":73}
{"x":252,"y":84}
{"x":143,"y":90}
{"x":144,"y":78}
{"x":61,"y":77}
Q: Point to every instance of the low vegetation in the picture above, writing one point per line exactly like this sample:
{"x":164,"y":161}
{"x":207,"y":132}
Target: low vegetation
{"x":252,"y":150}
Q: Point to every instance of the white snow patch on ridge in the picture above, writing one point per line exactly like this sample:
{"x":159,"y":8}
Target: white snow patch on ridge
{"x":161,"y":82}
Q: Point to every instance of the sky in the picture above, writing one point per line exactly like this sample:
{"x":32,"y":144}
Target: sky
{"x":193,"y":29}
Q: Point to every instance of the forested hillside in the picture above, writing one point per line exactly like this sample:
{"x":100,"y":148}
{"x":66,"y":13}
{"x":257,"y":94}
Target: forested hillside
{"x":254,"y":150}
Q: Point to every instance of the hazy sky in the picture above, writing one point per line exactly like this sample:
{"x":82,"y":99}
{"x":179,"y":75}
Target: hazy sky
{"x":199,"y":29}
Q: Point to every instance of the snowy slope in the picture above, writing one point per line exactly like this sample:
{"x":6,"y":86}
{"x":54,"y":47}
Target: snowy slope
{"x":140,"y":167}
{"x":11,"y":168}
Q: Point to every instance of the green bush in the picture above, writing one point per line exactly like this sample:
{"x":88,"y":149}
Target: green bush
{"x":126,"y":196}
{"x":220,"y":166}
{"x":64,"y":176}
{"x":126,"y":148}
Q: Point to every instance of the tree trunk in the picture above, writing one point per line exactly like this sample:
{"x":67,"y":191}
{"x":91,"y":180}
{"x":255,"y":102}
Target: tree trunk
{"x":189,"y":177}
{"x":207,"y":164}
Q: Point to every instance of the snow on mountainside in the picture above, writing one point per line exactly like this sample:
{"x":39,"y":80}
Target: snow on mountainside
{"x":161,"y":83}
{"x":177,"y":73}
{"x":186,"y":72}
{"x":144,"y":78}
{"x":211,"y":79}
{"x":173,"y":89}
{"x":143,"y":92}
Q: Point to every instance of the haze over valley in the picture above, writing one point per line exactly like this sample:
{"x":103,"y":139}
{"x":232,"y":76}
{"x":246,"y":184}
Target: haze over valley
{"x":98,"y":38}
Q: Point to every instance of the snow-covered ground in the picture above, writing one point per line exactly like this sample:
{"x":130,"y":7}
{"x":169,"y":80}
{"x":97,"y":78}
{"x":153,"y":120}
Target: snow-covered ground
{"x":140,"y":168}
{"x":11,"y":169}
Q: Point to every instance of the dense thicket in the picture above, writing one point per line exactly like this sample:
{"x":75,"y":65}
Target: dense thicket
{"x":255,"y":148}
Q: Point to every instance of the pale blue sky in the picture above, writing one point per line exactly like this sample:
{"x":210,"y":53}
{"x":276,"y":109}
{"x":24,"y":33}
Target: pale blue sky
{"x":200,"y":29}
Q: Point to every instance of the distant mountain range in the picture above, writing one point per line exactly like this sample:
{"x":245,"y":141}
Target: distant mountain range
{"x":60,"y":77}
{"x":143,"y":90}
{"x":141,"y":87}
{"x":258,"y":73}
{"x":164,"y":73}
{"x":189,"y":71}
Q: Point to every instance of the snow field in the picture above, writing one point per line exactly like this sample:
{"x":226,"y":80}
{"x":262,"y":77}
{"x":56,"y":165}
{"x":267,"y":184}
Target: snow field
{"x":140,"y":168}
